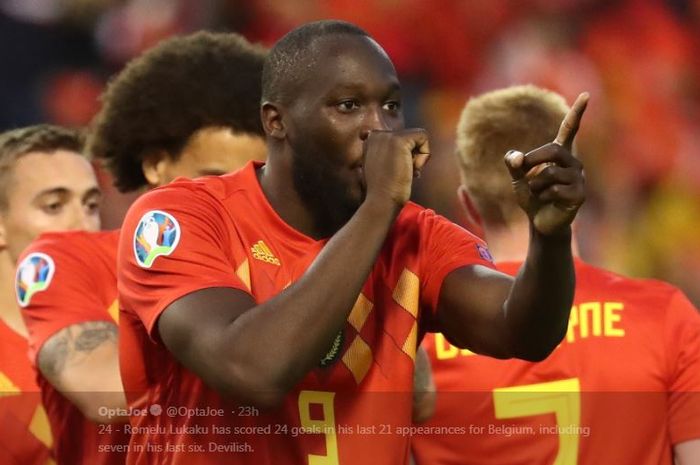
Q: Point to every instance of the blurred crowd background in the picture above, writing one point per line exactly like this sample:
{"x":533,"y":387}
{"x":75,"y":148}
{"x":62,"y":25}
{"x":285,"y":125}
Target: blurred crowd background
{"x":639,"y":59}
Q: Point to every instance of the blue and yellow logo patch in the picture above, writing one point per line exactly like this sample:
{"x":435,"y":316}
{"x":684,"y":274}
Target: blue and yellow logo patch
{"x":158,"y":233}
{"x":34,"y":275}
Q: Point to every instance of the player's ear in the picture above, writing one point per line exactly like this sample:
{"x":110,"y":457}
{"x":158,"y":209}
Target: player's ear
{"x":153,"y":166}
{"x":471,"y":213}
{"x":272,"y":120}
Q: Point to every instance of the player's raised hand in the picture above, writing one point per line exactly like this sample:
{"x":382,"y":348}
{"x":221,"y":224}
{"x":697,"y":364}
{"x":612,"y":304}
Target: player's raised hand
{"x":548,"y":181}
{"x":391,"y":160}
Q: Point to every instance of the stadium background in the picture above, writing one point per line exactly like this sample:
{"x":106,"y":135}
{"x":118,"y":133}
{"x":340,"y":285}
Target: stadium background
{"x":639,"y":59}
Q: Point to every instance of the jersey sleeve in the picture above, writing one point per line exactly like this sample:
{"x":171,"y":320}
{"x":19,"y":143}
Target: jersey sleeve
{"x":56,"y":286}
{"x":175,"y":241}
{"x":683,"y":344}
{"x":445,"y":247}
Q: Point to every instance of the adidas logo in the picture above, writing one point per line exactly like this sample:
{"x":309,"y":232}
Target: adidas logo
{"x":263,"y":253}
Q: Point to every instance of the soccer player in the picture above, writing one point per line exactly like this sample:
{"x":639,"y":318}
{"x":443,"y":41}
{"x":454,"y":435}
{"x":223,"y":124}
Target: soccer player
{"x":284,"y":301}
{"x":624,"y":385}
{"x":188,"y":107}
{"x":45,"y":184}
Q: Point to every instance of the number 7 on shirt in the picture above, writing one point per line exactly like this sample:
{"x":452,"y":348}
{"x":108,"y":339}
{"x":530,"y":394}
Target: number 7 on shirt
{"x":563,"y":398}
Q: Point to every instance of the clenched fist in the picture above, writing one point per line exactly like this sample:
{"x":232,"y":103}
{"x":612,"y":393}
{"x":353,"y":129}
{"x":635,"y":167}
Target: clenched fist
{"x":391,"y":159}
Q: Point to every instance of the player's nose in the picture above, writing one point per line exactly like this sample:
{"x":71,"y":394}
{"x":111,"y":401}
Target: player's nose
{"x":375,"y":120}
{"x":82,"y":219}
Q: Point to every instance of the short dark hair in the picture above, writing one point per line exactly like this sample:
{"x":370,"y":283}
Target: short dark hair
{"x":171,"y":91}
{"x":45,"y":138}
{"x":289,"y":59}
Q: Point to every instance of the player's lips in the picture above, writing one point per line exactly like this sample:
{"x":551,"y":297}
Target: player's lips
{"x":359,"y":170}
{"x":358,"y":166}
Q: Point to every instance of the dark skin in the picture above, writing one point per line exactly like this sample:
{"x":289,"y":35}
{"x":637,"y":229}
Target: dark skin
{"x":347,"y":111}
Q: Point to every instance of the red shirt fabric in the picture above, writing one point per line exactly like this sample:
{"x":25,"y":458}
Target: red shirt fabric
{"x":71,"y":280}
{"x":221,"y":232}
{"x":26,"y":435}
{"x":623,"y":386}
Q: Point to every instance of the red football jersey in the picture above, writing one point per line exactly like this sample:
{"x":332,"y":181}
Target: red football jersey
{"x":621,"y":388}
{"x":26,"y":436}
{"x":65,"y":279}
{"x":221,"y":232}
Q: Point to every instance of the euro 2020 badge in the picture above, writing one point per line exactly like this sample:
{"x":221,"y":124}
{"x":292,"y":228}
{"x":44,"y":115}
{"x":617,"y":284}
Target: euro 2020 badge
{"x":33,"y":275}
{"x":158,"y":233}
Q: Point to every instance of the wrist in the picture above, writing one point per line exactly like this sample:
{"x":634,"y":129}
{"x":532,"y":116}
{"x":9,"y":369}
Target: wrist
{"x":557,"y":242}
{"x":381,"y":206}
{"x":560,"y":235}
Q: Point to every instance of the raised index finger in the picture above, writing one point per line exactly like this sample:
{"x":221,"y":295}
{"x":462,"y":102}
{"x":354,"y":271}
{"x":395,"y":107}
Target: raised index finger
{"x":569,"y":126}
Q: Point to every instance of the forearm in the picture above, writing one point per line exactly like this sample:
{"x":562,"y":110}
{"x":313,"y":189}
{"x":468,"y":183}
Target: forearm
{"x":94,"y":385}
{"x":424,"y":395}
{"x":538,"y":306}
{"x":687,"y":453}
{"x":282,"y":339}
{"x":82,"y":362}
{"x":99,"y":407}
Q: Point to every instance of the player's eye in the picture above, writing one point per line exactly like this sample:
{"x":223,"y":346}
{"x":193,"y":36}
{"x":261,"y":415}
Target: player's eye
{"x":93,"y":206}
{"x":92,"y":202}
{"x":347,"y":106}
{"x":52,"y":208}
{"x":393,"y":106}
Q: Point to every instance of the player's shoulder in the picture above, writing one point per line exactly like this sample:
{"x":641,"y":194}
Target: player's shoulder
{"x":654,"y":293}
{"x":180,"y":192}
{"x":411,"y":211}
{"x":69,"y":256}
{"x":412,"y":222}
{"x":413,"y":215}
{"x":218,"y":187}
{"x":72,"y":243}
{"x":196,"y":194}
{"x":422,"y":219}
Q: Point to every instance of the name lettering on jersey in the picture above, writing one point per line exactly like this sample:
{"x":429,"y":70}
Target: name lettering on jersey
{"x":595,"y":319}
{"x":33,"y":275}
{"x":444,"y":350}
{"x":263,"y":253}
{"x":158,"y":233}
{"x":587,"y":319}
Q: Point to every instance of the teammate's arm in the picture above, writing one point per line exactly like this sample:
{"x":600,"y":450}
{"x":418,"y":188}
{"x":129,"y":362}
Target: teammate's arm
{"x":493,"y":314}
{"x":82,"y":362}
{"x":424,"y":395}
{"x":257,"y":353}
{"x":687,"y":453}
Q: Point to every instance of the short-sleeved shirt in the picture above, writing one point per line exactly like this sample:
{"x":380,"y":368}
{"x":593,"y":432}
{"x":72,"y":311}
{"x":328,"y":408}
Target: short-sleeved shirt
{"x":623,"y":386}
{"x":64,"y":279}
{"x":26,"y":436}
{"x":222,"y":232}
